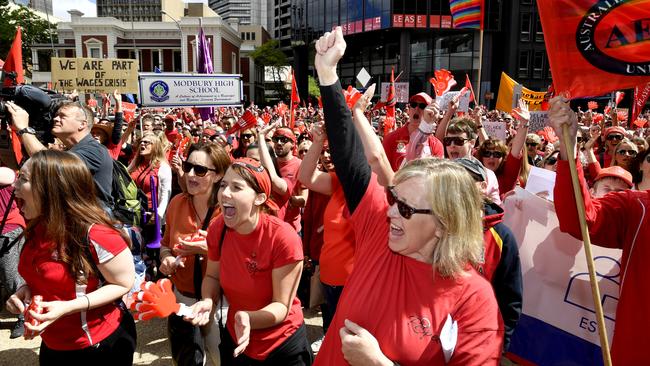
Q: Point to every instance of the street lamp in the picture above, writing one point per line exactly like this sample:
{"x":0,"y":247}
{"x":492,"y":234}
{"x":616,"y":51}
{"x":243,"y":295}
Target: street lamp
{"x":179,"y":29}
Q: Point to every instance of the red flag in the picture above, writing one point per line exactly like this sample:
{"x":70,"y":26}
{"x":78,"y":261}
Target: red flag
{"x":468,"y":84}
{"x":295,"y":99}
{"x":14,"y":61}
{"x":619,"y":97}
{"x":641,"y":94}
{"x":442,"y":81}
{"x":129,"y":111}
{"x":592,"y":45}
{"x":246,"y":121}
{"x":389,"y":122}
{"x":352,"y":95}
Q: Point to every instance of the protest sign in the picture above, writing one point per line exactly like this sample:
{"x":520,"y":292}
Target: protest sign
{"x":558,"y":311}
{"x":538,"y":120}
{"x":89,"y":75}
{"x":463,"y":102}
{"x":189,"y":90}
{"x":510,"y":91}
{"x":401,"y":92}
{"x":595,"y":47}
{"x":496,"y":129}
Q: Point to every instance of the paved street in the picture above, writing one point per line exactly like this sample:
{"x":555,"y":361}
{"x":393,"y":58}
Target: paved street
{"x":153,"y":347}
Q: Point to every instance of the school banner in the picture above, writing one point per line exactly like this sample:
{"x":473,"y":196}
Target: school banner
{"x":190,"y":90}
{"x":510,"y":91}
{"x":595,"y":47}
{"x":558,"y":324}
{"x":90,"y":75}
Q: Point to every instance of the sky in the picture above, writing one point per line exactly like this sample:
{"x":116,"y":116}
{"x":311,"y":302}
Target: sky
{"x":88,"y":7}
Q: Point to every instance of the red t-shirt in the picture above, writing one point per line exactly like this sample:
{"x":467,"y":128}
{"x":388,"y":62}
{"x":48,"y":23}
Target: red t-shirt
{"x":142,"y":177}
{"x":404,"y":304}
{"x":312,"y":230}
{"x":395,"y":146}
{"x":289,"y":171}
{"x":51,"y":278}
{"x":337,"y":254}
{"x":245,"y":276}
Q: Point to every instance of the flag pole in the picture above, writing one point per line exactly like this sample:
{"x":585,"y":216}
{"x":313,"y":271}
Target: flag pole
{"x":595,"y":291}
{"x":480,"y":67}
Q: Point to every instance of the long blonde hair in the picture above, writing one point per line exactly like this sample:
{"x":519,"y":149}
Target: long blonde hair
{"x":158,"y":149}
{"x":456,"y":202}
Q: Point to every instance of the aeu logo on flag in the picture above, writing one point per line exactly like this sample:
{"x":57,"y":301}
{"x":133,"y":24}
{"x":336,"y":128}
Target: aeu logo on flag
{"x":613,"y":39}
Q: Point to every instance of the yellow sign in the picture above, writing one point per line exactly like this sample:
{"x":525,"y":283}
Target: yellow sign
{"x":89,"y":75}
{"x":509,"y":89}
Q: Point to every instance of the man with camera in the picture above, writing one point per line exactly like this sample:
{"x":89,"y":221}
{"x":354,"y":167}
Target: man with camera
{"x":71,"y":124}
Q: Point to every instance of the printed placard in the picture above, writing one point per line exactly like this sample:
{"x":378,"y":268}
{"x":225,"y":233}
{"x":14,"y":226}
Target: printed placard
{"x":90,"y":75}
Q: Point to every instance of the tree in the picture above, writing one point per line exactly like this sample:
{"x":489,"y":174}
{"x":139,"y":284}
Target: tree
{"x":34,"y":30}
{"x":270,"y":55}
{"x":314,"y":89}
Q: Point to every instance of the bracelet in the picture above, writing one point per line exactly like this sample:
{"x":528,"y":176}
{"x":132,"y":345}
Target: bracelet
{"x":87,"y":302}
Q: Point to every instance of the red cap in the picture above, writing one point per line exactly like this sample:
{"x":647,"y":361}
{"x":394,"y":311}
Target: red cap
{"x":615,"y":129}
{"x":261,"y":176}
{"x":421,"y":97}
{"x":285,"y":132}
{"x":616,"y":172}
{"x":209,"y":132}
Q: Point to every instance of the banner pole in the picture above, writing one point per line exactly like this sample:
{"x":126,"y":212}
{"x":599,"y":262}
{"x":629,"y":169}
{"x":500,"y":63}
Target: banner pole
{"x":480,"y":67}
{"x":595,"y":291}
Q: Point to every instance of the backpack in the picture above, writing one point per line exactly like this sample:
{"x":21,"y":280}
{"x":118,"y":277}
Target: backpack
{"x":128,"y":201}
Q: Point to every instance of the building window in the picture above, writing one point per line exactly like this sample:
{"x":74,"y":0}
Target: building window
{"x":253,"y":36}
{"x":538,"y":64}
{"x":524,"y":64}
{"x":242,"y":36}
{"x":233,"y":59}
{"x":95,"y":52}
{"x":156,"y":59}
{"x":177,"y":61}
{"x":539,"y":33}
{"x":524,"y":27}
{"x":527,"y":2}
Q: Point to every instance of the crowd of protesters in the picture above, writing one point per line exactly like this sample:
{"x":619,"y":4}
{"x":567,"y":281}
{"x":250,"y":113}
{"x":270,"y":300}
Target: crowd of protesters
{"x":398,"y":223}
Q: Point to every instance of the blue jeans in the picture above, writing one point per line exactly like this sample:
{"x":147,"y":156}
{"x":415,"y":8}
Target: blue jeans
{"x":332,"y":296}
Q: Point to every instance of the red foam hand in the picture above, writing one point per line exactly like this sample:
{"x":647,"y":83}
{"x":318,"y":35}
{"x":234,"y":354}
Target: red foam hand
{"x":598,"y":118}
{"x":640,"y":122}
{"x":592,"y":105}
{"x":549,"y":134}
{"x":352,"y":95}
{"x":442,"y":81}
{"x":155,"y":300}
{"x":621,"y":115}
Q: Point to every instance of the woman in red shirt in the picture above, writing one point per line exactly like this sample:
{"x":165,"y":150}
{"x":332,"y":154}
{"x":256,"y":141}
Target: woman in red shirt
{"x":256,"y":259}
{"x":414,"y":297}
{"x":184,"y":249}
{"x":77,"y":260}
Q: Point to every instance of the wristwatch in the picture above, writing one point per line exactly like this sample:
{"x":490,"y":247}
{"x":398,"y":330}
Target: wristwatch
{"x":28,"y":130}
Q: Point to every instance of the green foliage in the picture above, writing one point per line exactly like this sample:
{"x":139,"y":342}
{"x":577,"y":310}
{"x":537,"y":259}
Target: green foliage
{"x":34,"y":30}
{"x":270,"y":55}
{"x":314,"y":89}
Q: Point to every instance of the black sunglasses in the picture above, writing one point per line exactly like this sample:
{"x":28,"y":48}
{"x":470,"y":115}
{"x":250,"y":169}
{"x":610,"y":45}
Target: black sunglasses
{"x":303,"y":151}
{"x":627,"y":152}
{"x":492,"y":154}
{"x":458,"y":141}
{"x":246,"y":136}
{"x":258,"y":169}
{"x":199,"y":170}
{"x":404,"y":209}
{"x":281,"y":140}
{"x":416,"y":104}
{"x":611,"y":137}
{"x":531,"y":144}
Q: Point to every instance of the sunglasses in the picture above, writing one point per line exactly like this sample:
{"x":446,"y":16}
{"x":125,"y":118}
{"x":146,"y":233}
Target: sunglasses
{"x":199,"y":170}
{"x":614,"y":137}
{"x":418,"y":105}
{"x":532,"y":144}
{"x":303,"y":151}
{"x":246,"y":136}
{"x":552,"y":160}
{"x":492,"y":154}
{"x":458,"y":141}
{"x":627,"y":152}
{"x":146,"y":143}
{"x":281,"y":140}
{"x":404,"y":209}
{"x":254,"y":168}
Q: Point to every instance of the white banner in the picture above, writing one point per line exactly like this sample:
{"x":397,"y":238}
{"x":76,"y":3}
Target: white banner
{"x":190,"y":90}
{"x":554,"y":270}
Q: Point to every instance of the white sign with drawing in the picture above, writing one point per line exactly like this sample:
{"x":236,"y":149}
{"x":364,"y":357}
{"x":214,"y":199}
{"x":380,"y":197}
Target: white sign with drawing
{"x":496,"y":129}
{"x":463,"y":102}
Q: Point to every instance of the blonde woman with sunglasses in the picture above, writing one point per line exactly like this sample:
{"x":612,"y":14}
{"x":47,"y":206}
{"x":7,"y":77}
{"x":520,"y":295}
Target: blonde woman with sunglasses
{"x":415,"y":298}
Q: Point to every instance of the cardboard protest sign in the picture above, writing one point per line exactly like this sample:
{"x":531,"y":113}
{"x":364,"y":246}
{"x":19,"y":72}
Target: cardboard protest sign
{"x":510,"y":91}
{"x":89,"y":75}
{"x":558,"y":312}
{"x":463,"y":102}
{"x":401,"y":92}
{"x":538,"y":120}
{"x":595,"y":47}
{"x":496,"y":129}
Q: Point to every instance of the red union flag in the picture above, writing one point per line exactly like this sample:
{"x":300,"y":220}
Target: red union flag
{"x":595,"y":47}
{"x":641,"y":95}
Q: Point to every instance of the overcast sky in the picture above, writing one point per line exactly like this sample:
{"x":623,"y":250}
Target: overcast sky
{"x":88,"y":7}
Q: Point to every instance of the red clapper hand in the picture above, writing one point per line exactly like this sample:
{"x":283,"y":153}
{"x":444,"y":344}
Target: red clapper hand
{"x":157,"y":300}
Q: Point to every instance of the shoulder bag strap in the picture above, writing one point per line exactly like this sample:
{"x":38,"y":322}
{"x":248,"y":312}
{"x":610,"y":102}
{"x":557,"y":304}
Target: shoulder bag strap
{"x":198,"y":273}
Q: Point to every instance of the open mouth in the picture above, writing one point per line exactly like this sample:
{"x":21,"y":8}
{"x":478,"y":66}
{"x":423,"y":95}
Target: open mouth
{"x":396,"y":231}
{"x":229,"y":211}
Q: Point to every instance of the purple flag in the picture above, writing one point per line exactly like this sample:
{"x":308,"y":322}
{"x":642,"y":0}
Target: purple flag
{"x":204,"y":66}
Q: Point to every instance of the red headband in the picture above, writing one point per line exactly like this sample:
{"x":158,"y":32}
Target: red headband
{"x":261,"y":177}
